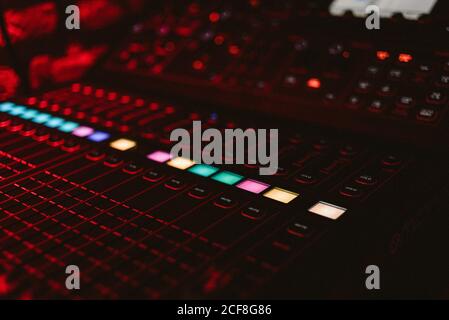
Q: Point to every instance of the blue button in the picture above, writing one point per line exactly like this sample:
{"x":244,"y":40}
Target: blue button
{"x":99,"y":136}
{"x":68,"y":126}
{"x":54,"y":122}
{"x":17,"y":110}
{"x":41,"y":118}
{"x":6,"y":106}
{"x":29,"y":114}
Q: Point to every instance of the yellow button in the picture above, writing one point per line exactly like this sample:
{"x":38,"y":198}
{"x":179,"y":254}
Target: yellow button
{"x":327,"y":210}
{"x":123,"y":144}
{"x":181,"y":163}
{"x":281,"y":195}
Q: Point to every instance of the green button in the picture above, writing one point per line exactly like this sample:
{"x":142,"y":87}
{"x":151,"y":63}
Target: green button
{"x":68,"y":126}
{"x":6,"y":106}
{"x":203,"y":170}
{"x":227,"y":177}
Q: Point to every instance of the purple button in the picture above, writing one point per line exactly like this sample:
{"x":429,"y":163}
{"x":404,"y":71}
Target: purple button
{"x":99,"y":136}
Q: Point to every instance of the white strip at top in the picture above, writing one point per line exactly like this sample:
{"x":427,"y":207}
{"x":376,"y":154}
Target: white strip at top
{"x":411,"y":9}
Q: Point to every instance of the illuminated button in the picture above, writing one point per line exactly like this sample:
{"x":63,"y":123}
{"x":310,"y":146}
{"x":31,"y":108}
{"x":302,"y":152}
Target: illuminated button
{"x":68,"y":126}
{"x":327,"y":210}
{"x":227,"y":177}
{"x":6,"y":106}
{"x":54,"y":122}
{"x":383,"y":55}
{"x":99,"y":136}
{"x":83,"y":131}
{"x":203,"y":170}
{"x":314,"y":83}
{"x":41,"y":118}
{"x":159,"y":156}
{"x":281,"y":195}
{"x":253,"y":186}
{"x":17,"y":110}
{"x":29,"y":114}
{"x":123,"y":144}
{"x":405,"y":58}
{"x":181,"y":163}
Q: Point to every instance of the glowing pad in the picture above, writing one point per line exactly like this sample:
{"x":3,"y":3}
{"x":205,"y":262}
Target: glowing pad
{"x":227,"y":177}
{"x":41,"y":118}
{"x":281,"y":195}
{"x":252,"y":186}
{"x":159,"y":156}
{"x":99,"y":136}
{"x":181,"y":163}
{"x":327,"y":210}
{"x":123,"y":144}
{"x":203,"y":170}
{"x":54,"y":122}
{"x":68,"y":126}
{"x":83,"y":131}
{"x":29,"y":114}
{"x":6,"y":106}
{"x":17,"y":110}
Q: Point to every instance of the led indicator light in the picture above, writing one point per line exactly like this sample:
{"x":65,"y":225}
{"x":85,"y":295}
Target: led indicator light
{"x":227,"y":177}
{"x":203,"y":170}
{"x":281,"y":195}
{"x":253,"y":186}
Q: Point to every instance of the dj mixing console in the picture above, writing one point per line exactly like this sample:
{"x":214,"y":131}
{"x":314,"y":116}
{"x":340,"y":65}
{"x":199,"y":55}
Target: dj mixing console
{"x":87,"y":178}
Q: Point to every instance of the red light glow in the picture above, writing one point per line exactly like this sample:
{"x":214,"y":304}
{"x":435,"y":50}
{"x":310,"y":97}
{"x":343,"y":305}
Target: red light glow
{"x":314,"y":83}
{"x":214,"y":17}
{"x":405,"y":58}
{"x":383,"y":55}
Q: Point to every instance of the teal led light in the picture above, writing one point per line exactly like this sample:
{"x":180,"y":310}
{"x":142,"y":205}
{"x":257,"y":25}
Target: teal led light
{"x":41,"y":118}
{"x":68,"y":126}
{"x":17,"y":110}
{"x":203,"y":170}
{"x":29,"y":114}
{"x":54,"y":122}
{"x":6,"y":106}
{"x":227,"y":177}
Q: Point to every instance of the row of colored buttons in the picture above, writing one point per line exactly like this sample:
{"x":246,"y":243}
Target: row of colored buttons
{"x":321,"y":208}
{"x":225,"y":177}
{"x":53,"y":122}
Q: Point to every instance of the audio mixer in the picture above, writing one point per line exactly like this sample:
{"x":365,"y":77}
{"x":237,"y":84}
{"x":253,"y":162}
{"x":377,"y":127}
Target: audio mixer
{"x":87,"y":176}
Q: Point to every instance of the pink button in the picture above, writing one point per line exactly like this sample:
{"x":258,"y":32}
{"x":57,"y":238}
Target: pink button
{"x":159,"y":156}
{"x":253,"y":186}
{"x":83,"y":132}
